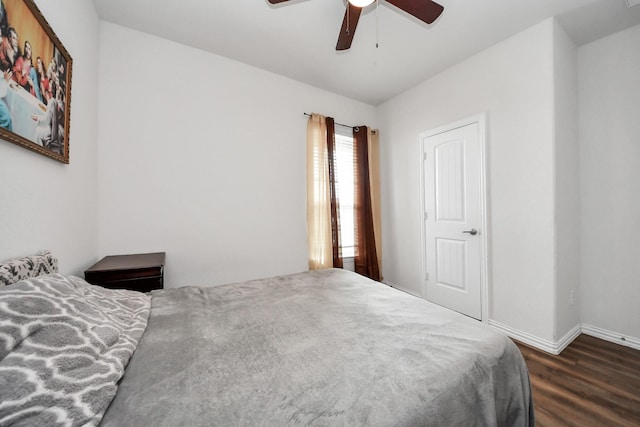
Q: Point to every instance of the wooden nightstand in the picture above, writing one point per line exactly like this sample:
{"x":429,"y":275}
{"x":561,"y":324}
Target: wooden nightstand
{"x":137,"y":272}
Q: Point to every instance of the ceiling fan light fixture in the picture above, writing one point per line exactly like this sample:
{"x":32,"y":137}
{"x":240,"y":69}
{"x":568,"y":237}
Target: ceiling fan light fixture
{"x":361,"y":3}
{"x":426,"y":11}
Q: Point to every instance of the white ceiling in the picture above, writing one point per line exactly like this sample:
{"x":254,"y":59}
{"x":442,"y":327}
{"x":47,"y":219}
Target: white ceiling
{"x":297,"y":38}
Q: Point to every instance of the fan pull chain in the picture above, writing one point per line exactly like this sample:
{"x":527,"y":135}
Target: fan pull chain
{"x":377,"y":22}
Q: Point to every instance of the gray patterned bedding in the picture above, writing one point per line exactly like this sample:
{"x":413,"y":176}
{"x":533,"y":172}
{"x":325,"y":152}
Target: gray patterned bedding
{"x":64,"y":345}
{"x":319,"y":348}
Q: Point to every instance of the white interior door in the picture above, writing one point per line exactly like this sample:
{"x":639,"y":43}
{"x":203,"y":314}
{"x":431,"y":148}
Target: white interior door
{"x":453,"y":234}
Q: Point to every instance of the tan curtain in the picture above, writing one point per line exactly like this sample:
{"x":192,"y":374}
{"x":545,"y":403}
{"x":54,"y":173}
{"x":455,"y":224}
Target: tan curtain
{"x":374,"y":177}
{"x":366,"y":259}
{"x":318,"y":195}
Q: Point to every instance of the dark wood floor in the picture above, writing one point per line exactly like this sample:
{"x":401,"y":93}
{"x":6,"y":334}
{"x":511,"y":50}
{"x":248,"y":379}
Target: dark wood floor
{"x":591,"y":383}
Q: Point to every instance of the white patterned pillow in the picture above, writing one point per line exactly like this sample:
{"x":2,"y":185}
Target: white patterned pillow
{"x":16,"y":269}
{"x":64,"y":345}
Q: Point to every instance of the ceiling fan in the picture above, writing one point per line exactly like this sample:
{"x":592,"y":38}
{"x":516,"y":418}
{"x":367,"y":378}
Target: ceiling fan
{"x":425,"y":10}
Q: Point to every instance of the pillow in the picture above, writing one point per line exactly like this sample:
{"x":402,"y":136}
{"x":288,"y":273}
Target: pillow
{"x":64,"y":345}
{"x":16,"y":269}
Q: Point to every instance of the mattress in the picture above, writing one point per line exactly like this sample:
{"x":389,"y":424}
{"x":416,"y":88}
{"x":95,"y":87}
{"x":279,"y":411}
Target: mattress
{"x":327,"y":347}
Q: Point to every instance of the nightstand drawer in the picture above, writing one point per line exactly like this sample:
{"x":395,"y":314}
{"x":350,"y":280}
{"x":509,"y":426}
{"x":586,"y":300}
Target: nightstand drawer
{"x":127,"y":280}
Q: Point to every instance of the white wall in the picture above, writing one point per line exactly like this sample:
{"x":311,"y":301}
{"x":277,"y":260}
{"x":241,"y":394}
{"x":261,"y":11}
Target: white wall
{"x":609,"y":82}
{"x":567,"y":184}
{"x":204,"y":158}
{"x":513,"y":82}
{"x":45,"y":204}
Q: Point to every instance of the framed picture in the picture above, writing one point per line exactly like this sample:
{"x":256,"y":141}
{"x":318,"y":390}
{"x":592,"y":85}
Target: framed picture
{"x":35,"y":87}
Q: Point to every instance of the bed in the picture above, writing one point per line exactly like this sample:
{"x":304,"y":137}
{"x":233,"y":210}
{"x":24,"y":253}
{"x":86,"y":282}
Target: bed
{"x":327,"y":347}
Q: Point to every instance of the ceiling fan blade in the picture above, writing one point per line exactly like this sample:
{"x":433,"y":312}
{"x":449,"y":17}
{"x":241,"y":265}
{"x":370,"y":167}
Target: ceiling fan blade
{"x":348,"y":29}
{"x":277,"y":1}
{"x":425,"y":10}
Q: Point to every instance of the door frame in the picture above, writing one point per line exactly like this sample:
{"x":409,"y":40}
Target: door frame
{"x":480,"y":120}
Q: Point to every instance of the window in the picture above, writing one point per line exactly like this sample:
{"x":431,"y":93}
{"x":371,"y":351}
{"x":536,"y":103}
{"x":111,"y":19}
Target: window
{"x":345,"y":190}
{"x":343,"y":179}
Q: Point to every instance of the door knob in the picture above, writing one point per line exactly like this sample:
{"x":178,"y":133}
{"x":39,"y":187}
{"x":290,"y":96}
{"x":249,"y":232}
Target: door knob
{"x":473,"y":231}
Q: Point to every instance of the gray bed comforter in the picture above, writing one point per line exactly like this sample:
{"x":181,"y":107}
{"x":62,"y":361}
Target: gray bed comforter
{"x":319,"y":348}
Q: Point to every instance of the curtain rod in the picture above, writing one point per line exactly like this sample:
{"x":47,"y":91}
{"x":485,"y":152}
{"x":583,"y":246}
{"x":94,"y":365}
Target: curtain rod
{"x":339,"y":124}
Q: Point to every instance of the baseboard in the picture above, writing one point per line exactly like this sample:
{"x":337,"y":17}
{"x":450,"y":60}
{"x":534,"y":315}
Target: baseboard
{"x":557,"y":347}
{"x":400,"y":288}
{"x":568,"y":338}
{"x":550,"y":346}
{"x":611,"y":336}
{"x":539,"y":343}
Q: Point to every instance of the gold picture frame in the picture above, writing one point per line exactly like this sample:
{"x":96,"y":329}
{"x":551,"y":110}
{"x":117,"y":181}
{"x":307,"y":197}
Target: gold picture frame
{"x":35,"y":81}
